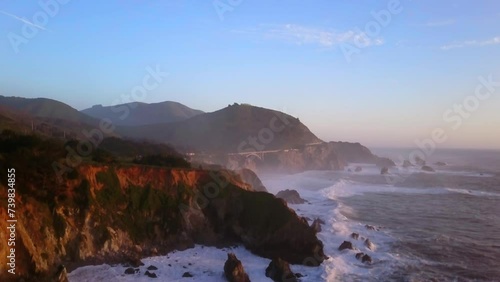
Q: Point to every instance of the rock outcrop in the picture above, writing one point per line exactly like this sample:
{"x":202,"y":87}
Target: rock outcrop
{"x":346,"y":245}
{"x":234,"y":271}
{"x":279,"y":271}
{"x":115,"y":213}
{"x":384,"y":170}
{"x":290,"y":196}
{"x":428,"y":168}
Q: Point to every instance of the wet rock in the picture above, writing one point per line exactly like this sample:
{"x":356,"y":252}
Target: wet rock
{"x":129,"y":271}
{"x":279,"y":271}
{"x":234,"y":271}
{"x":291,"y":196}
{"x":371,"y":227}
{"x":427,"y":168}
{"x":346,"y":245}
{"x":366,"y":259}
{"x":440,"y":163}
{"x":384,"y":170}
{"x":316,"y":225}
{"x":355,"y":236}
{"x":61,"y":274}
{"x":150,"y":274}
{"x":358,"y":169}
{"x":369,"y":244}
{"x":152,"y":267}
{"x":187,"y":274}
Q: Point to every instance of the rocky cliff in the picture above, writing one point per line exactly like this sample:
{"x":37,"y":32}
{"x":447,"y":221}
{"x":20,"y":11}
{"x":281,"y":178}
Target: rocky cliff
{"x":106,"y":213}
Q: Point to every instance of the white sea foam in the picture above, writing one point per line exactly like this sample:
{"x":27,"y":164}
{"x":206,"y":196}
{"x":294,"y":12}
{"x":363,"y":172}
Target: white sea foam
{"x":323,"y":190}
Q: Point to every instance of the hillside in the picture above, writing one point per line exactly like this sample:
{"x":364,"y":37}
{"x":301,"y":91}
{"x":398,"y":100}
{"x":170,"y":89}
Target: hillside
{"x":135,"y":114}
{"x":47,"y":109}
{"x":233,"y":129}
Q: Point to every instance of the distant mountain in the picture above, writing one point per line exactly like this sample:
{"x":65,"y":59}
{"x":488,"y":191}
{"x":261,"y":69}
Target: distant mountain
{"x":135,"y":114}
{"x":233,"y":129}
{"x":44,"y":116}
{"x":45,"y":108}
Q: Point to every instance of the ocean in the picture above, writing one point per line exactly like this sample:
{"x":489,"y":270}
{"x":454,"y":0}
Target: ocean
{"x":430,"y":226}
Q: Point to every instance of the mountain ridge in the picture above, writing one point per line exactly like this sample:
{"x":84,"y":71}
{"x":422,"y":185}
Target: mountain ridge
{"x":137,"y":113}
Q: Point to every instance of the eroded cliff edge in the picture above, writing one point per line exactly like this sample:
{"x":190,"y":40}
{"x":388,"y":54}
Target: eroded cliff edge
{"x":105,"y":213}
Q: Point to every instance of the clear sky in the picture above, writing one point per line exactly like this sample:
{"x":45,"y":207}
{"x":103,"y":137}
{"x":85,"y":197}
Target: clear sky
{"x":406,"y":68}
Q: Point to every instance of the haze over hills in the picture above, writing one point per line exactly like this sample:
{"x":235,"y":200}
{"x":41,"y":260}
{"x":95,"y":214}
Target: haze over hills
{"x":233,"y":129}
{"x":215,"y":137}
{"x":134,"y":114}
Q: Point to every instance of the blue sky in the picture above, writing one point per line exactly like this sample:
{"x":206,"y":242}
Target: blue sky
{"x":286,"y":56}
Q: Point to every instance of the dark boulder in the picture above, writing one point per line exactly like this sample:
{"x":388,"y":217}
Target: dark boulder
{"x":346,"y":245}
{"x":150,"y":274}
{"x":290,"y":196}
{"x":358,"y":169}
{"x":364,"y":258}
{"x":355,"y":236}
{"x":187,"y":275}
{"x":371,"y":227}
{"x":440,"y":163}
{"x":427,"y":168}
{"x":233,"y":269}
{"x":279,"y":271}
{"x":129,"y":271}
{"x":152,"y":267}
{"x":384,"y":170}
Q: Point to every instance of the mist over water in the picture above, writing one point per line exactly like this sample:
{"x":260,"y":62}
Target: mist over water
{"x":441,"y":226}
{"x":445,"y":225}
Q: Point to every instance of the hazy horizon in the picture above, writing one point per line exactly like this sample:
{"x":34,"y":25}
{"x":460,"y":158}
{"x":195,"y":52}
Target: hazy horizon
{"x":385,"y":74}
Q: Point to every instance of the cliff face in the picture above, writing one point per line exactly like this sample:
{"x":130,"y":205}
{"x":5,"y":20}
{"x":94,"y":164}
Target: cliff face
{"x":113,"y":213}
